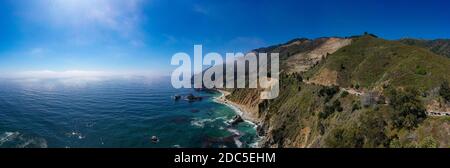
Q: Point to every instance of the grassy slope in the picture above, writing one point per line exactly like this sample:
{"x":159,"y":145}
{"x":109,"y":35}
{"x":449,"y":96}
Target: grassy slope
{"x":439,"y":46}
{"x":370,"y":61}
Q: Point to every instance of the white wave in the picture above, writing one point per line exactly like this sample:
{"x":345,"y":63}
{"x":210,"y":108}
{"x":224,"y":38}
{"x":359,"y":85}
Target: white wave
{"x":21,"y":141}
{"x":256,"y":143}
{"x":237,"y":135}
{"x":235,"y":109}
{"x":234,"y":131}
{"x":34,"y":142}
{"x":8,"y":136}
{"x":201,"y":122}
{"x":237,"y":142}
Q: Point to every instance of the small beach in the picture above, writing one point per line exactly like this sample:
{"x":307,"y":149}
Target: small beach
{"x":236,"y":107}
{"x":239,"y":111}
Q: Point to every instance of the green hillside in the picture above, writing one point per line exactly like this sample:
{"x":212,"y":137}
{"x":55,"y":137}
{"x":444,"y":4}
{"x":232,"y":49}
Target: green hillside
{"x":371,"y":62}
{"x":439,"y":46}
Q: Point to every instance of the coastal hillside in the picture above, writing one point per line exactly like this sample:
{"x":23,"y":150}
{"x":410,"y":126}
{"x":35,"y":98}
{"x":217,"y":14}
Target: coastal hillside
{"x":373,"y":63}
{"x":301,"y":54}
{"x":439,"y":46}
{"x":361,"y":91}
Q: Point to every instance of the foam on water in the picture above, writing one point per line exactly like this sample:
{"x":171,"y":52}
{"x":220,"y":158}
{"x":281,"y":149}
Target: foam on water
{"x":8,"y":136}
{"x":237,"y":135}
{"x":114,"y":114}
{"x":201,"y":122}
{"x":18,"y":140}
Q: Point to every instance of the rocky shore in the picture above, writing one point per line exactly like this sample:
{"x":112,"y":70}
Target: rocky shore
{"x":241,"y":111}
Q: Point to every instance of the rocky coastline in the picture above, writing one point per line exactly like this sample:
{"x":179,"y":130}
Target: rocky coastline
{"x":242,"y":115}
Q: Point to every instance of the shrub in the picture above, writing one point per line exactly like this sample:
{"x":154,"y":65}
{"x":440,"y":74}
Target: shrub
{"x":408,"y":109}
{"x":428,"y":142}
{"x":395,"y":143}
{"x":420,"y":70}
{"x":357,"y":86}
{"x":337,"y":106}
{"x":341,"y":137}
{"x":373,"y":125}
{"x":356,"y":106}
{"x":444,"y":91}
{"x":344,"y":94}
{"x":330,"y":109}
{"x":327,"y":111}
{"x":368,"y":131}
{"x":328,"y":92}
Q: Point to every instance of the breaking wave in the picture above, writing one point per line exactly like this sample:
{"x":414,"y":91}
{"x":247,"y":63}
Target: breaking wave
{"x":18,"y":140}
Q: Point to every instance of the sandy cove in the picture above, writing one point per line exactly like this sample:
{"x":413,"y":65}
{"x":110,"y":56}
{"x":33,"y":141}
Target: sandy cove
{"x":240,"y":109}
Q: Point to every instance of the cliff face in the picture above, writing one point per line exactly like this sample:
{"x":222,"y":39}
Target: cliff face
{"x":249,"y":101}
{"x":337,"y":92}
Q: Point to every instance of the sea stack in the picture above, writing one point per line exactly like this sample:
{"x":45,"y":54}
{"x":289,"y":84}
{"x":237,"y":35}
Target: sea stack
{"x":155,"y":139}
{"x":236,"y":120}
{"x":177,"y":97}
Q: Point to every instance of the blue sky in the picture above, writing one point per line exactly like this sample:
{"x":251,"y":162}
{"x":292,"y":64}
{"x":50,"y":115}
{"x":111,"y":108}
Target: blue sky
{"x":142,"y":35}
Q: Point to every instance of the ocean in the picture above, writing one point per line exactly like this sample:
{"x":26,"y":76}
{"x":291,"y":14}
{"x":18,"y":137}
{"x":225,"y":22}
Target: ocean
{"x":105,"y":113}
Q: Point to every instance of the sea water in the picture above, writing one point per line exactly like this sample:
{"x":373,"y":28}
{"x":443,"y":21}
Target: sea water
{"x":72,"y":113}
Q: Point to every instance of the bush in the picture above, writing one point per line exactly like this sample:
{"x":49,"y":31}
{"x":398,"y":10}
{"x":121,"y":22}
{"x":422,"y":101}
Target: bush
{"x":373,"y":125}
{"x":344,"y":94}
{"x":368,"y":131}
{"x":297,"y":76}
{"x":328,"y":92}
{"x":356,"y":106}
{"x":337,"y":106}
{"x":420,"y":70}
{"x":444,"y":91}
{"x":408,"y":109}
{"x":344,"y":138}
{"x":428,"y":142}
{"x":327,"y":111}
{"x":395,"y":143}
